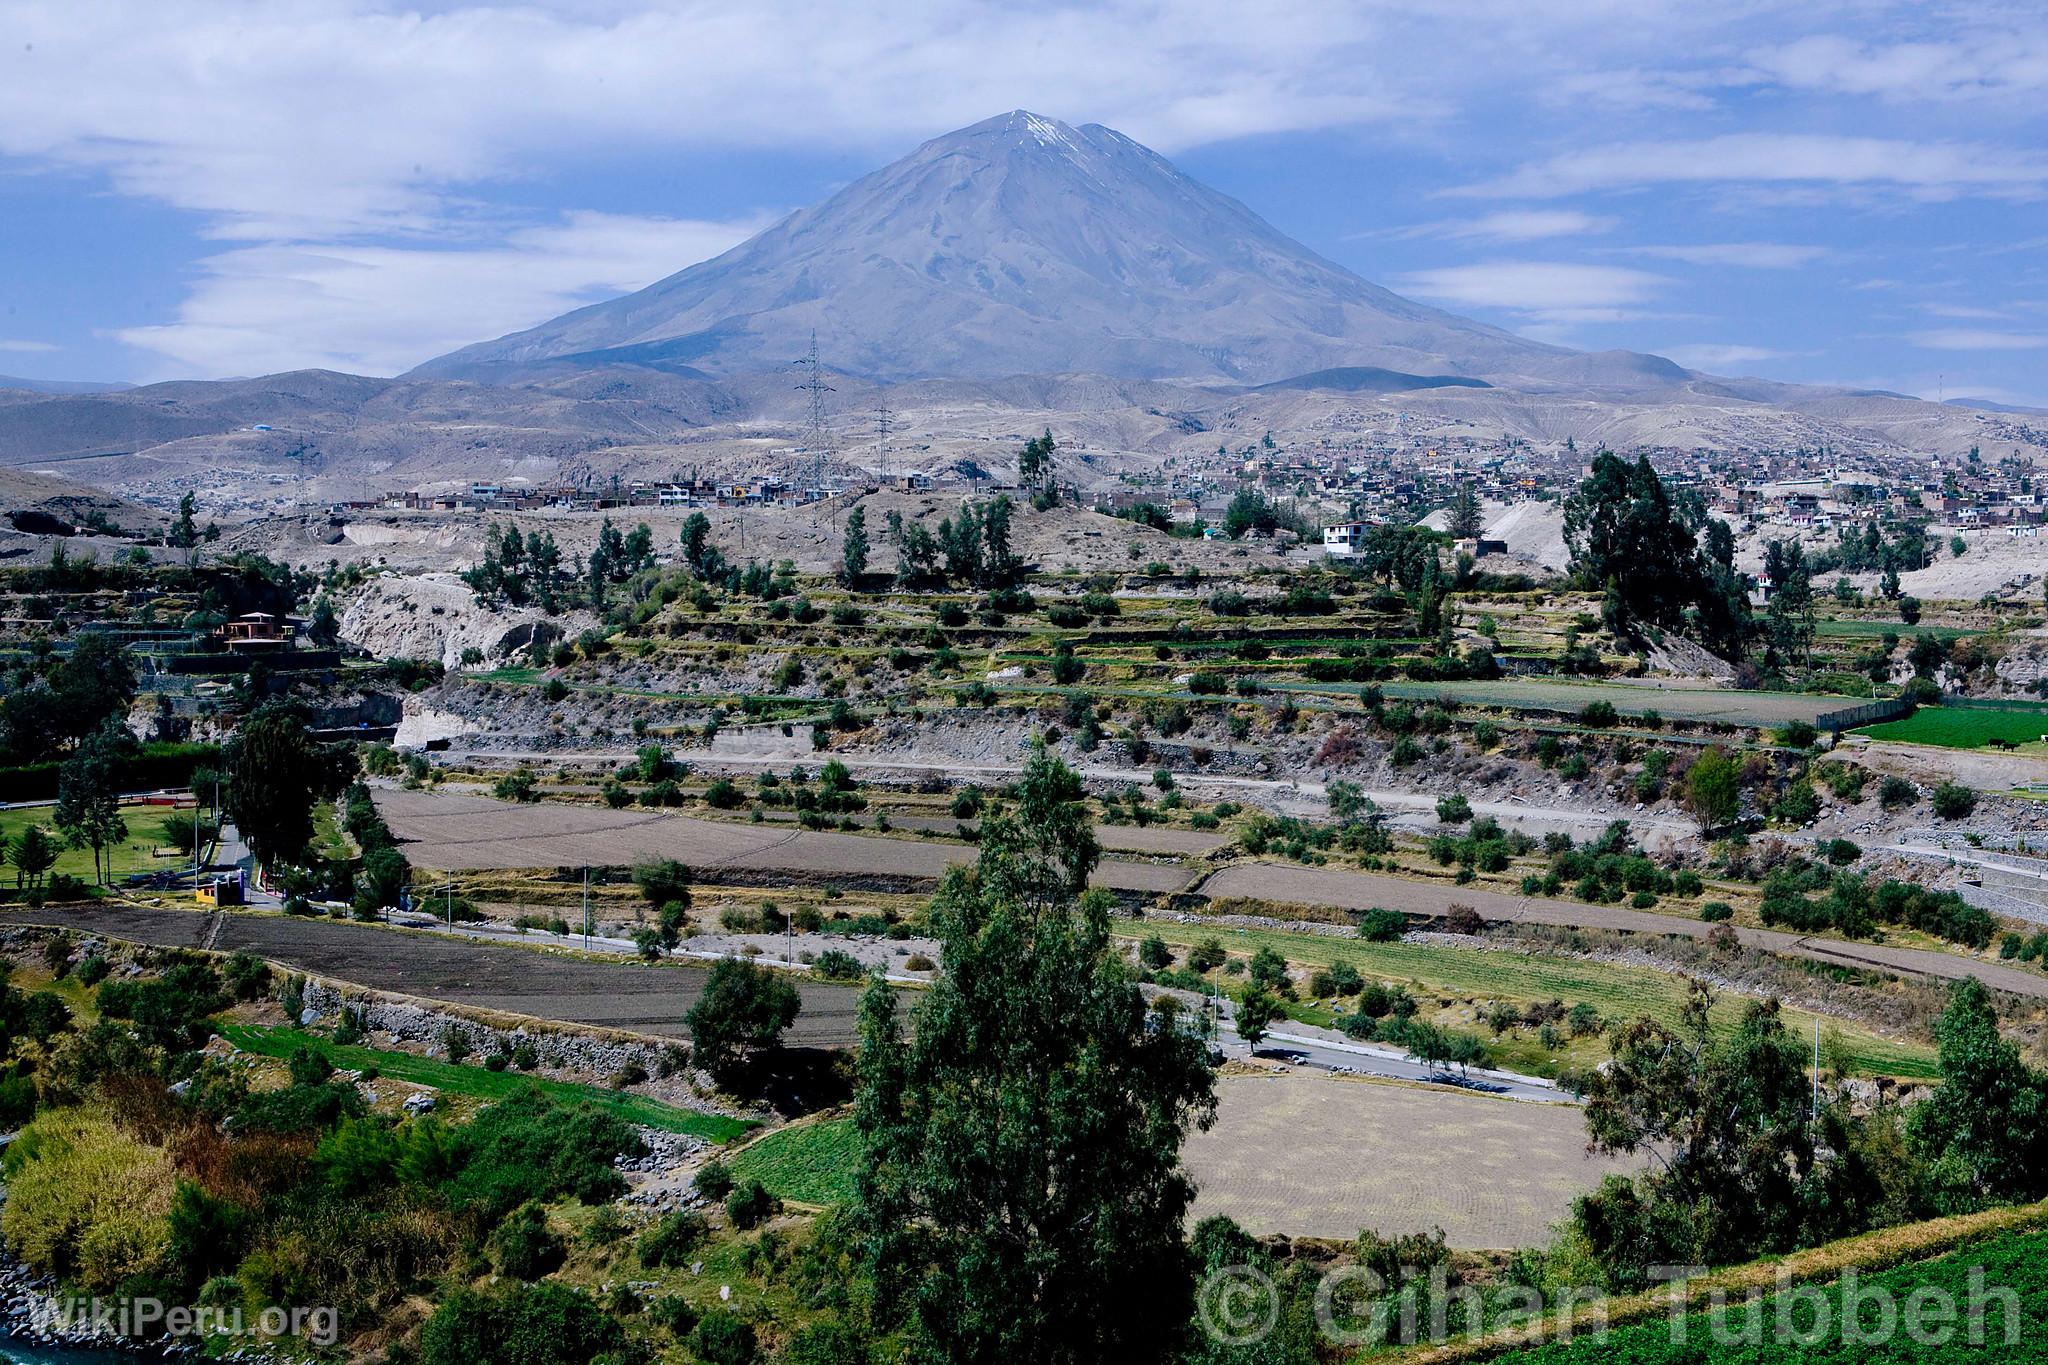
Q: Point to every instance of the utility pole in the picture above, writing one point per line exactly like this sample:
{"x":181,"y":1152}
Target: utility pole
{"x":882,"y":439}
{"x":1814,"y":1113}
{"x":586,"y":909}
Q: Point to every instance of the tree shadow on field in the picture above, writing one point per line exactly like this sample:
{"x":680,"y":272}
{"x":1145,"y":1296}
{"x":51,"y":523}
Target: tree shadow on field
{"x":795,"y":1081}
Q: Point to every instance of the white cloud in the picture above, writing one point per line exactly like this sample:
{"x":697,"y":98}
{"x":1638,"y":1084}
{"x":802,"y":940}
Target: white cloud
{"x":382,"y":309}
{"x":1972,"y":339}
{"x":1751,"y":255}
{"x":1515,"y":225}
{"x":1995,"y":62}
{"x":1964,"y":312}
{"x":25,"y":347}
{"x":1933,"y":170}
{"x":1717,"y":358}
{"x":1552,"y":292}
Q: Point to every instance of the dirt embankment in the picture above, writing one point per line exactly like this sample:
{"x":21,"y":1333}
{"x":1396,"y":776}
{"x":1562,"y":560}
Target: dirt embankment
{"x":436,"y":616}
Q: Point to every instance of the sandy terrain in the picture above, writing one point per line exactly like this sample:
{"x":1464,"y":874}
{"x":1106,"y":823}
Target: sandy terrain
{"x":1489,"y":1172}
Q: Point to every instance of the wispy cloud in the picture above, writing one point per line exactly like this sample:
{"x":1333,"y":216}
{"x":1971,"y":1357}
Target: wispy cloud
{"x":1971,"y":339}
{"x":26,"y":347}
{"x":1750,"y":255}
{"x":1553,"y":292}
{"x":1716,"y":357}
{"x":1925,"y":169}
{"x":1996,"y":61}
{"x":1513,"y":225}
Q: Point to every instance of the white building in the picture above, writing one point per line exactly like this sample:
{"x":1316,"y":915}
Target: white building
{"x":1343,"y":538}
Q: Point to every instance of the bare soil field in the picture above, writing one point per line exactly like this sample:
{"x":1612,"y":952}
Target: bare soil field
{"x":467,"y":833}
{"x":638,"y":997}
{"x":1365,"y":890}
{"x":1315,"y":1155}
{"x":1700,"y":705}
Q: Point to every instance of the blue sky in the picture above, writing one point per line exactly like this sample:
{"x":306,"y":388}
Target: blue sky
{"x":1850,"y":193}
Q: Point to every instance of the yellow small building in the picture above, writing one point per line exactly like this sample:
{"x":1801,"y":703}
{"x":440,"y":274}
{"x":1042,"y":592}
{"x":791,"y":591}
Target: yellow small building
{"x":221,"y":891}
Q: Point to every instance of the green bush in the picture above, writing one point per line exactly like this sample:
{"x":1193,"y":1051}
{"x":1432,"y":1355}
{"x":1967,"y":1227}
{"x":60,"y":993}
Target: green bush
{"x":671,"y":1240}
{"x":525,"y":1247}
{"x":750,"y":1204}
{"x":1953,"y":802}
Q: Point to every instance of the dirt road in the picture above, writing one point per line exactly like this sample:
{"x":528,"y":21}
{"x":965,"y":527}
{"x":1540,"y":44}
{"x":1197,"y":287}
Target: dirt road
{"x":1364,"y":890}
{"x":622,"y":995}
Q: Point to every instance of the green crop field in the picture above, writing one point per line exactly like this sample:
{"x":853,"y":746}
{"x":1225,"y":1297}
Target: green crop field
{"x":2016,"y":1262}
{"x":811,"y":1163}
{"x":145,"y":833}
{"x":1958,"y":727}
{"x":1617,"y":992}
{"x":481,"y":1082}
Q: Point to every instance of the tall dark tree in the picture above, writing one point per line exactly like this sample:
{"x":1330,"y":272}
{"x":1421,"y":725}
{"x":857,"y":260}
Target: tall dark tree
{"x":1984,"y":1132}
{"x":1725,"y":1125}
{"x":853,"y":549}
{"x":740,"y":1016}
{"x":1020,"y":1194}
{"x":1466,"y":517}
{"x":276,"y":773}
{"x":1630,"y":539}
{"x":88,"y":808}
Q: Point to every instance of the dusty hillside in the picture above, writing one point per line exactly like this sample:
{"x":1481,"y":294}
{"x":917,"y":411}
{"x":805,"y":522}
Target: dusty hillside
{"x":436,"y":616}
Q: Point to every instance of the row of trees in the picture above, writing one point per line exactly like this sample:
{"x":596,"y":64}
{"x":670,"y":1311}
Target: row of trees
{"x":973,"y":548}
{"x":1749,"y":1155}
{"x":529,"y":570}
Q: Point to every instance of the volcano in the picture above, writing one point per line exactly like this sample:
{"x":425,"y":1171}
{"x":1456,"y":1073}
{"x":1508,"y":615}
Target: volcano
{"x":1024,"y":246}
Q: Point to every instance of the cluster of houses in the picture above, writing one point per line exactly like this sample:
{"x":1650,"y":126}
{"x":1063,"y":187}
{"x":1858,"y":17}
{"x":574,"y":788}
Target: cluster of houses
{"x":500,"y":497}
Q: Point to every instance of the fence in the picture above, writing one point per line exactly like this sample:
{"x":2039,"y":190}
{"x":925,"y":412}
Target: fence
{"x":1850,"y":719}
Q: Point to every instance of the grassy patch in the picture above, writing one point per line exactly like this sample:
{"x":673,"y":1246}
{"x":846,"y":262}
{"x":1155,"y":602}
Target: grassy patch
{"x":812,"y":1163}
{"x":1619,"y":993}
{"x":2017,"y":1261}
{"x":480,"y":1082}
{"x":145,"y":833}
{"x":1956,"y":727}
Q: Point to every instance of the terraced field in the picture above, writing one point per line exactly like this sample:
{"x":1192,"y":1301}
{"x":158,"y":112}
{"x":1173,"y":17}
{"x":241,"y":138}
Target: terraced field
{"x":1471,"y":973}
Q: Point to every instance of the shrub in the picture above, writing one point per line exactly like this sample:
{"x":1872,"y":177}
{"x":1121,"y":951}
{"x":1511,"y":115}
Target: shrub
{"x":525,"y":1247}
{"x":517,"y":1324}
{"x":1894,"y":792}
{"x":750,"y":1204}
{"x":1953,"y":802}
{"x":671,"y":1240}
{"x":723,"y":1339}
{"x":1453,"y":809}
{"x":836,"y":964}
{"x":713,"y":1180}
{"x":1382,"y":926}
{"x":1599,"y":715}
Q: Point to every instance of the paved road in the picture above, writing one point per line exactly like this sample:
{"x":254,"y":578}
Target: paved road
{"x":623,"y":995}
{"x":1365,"y":890}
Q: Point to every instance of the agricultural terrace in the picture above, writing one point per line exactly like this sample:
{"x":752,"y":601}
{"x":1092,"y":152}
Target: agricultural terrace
{"x":1454,"y":986}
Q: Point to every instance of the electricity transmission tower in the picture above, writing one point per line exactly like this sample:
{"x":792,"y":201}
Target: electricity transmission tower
{"x":814,"y":429}
{"x":882,"y":439}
